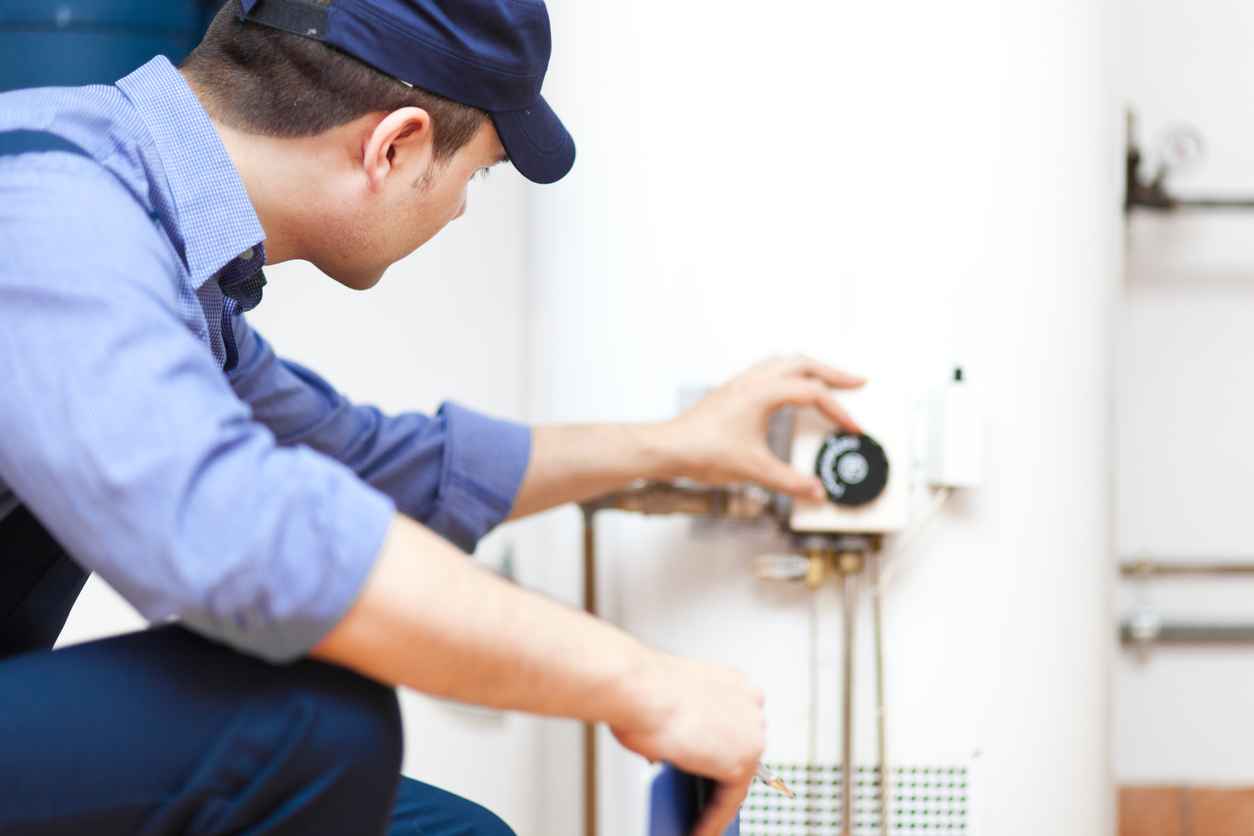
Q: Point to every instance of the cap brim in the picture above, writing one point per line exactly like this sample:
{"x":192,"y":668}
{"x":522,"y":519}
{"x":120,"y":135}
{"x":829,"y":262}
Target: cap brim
{"x":537,"y":142}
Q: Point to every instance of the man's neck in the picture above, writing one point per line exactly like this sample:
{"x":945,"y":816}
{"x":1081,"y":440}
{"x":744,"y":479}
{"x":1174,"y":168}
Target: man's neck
{"x":264,"y":166}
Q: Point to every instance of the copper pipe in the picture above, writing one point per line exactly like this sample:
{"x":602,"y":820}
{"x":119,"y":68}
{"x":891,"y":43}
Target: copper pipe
{"x":589,"y":729}
{"x":1144,"y":568}
{"x":740,"y":503}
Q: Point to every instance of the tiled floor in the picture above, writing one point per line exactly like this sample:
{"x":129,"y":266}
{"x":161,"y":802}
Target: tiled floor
{"x":1186,"y":811}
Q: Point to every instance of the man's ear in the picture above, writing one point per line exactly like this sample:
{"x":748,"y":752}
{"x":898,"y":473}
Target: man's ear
{"x":407,"y":131}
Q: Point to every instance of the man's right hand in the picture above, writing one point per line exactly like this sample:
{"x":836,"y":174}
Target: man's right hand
{"x":706,"y":720}
{"x":429,"y":619}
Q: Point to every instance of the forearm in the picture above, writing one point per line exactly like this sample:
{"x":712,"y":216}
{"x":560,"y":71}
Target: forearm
{"x":577,"y":462}
{"x":430,"y":620}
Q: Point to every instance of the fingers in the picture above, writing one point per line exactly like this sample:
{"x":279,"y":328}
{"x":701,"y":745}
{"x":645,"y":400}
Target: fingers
{"x":807,"y":367}
{"x":807,"y":392}
{"x":722,"y":809}
{"x":782,"y":477}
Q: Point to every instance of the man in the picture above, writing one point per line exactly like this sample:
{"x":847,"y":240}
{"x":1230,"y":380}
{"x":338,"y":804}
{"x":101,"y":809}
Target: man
{"x":307,"y":547}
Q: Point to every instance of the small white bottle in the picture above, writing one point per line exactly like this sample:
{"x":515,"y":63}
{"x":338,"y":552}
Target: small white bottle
{"x":956,"y":437}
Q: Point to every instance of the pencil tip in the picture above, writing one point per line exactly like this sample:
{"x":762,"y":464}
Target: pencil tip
{"x":782,"y":787}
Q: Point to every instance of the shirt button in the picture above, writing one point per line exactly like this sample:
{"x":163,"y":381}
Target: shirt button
{"x":247,"y":255}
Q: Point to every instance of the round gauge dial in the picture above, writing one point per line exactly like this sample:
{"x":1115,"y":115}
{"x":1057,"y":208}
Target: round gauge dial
{"x":853,"y":468}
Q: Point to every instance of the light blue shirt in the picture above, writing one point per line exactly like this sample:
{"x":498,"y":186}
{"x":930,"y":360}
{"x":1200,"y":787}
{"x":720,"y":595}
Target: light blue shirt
{"x":250,"y":504}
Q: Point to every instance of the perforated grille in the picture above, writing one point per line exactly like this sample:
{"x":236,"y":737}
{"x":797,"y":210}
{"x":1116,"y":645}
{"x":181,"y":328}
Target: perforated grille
{"x":931,"y":800}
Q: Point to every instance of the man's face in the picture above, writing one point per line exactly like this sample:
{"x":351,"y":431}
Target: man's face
{"x":395,"y":208}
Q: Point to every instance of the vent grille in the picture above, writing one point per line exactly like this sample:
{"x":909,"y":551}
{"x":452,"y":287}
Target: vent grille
{"x":926,"y":800}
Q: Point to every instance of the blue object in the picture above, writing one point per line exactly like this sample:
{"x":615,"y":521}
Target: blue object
{"x":491,"y":54}
{"x":13,"y":143}
{"x":251,"y":506}
{"x":162,"y":732}
{"x":72,"y":42}
{"x":676,"y":800}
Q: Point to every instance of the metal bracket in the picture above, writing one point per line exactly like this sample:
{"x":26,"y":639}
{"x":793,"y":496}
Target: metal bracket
{"x":1151,"y":192}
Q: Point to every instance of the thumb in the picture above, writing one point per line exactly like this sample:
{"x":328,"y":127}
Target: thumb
{"x":784,"y":478}
{"x":722,"y":809}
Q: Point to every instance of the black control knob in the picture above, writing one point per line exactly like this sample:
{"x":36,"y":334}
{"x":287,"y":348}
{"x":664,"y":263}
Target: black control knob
{"x":853,"y":468}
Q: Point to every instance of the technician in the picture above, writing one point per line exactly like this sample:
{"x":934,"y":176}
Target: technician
{"x":301,"y":555}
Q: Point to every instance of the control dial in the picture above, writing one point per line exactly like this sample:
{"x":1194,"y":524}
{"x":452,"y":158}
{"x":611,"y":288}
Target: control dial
{"x":853,"y":468}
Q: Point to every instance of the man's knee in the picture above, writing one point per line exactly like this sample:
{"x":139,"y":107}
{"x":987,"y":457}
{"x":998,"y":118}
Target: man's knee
{"x":483,"y":822}
{"x":356,"y":723}
{"x":474,"y":820}
{"x":422,"y":808}
{"x":305,"y":749}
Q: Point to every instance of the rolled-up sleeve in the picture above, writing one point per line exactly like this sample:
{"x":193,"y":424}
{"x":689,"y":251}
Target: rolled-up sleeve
{"x":457,"y":471}
{"x":121,"y":434}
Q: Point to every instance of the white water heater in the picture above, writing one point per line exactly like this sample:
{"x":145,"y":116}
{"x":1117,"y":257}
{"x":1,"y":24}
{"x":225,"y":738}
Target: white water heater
{"x":885,"y":188}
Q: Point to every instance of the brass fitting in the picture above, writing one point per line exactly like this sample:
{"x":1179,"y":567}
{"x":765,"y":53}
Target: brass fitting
{"x":816,"y":571}
{"x":850,"y":562}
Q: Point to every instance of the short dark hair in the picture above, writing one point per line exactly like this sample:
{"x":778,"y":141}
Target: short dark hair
{"x":268,"y":82}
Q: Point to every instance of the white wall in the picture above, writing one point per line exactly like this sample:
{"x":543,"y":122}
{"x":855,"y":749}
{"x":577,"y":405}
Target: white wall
{"x":444,"y":323}
{"x":893,"y":188}
{"x":1185,"y":401}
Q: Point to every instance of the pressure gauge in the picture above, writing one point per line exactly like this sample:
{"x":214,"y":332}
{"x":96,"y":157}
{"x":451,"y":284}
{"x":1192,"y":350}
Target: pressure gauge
{"x":853,"y":468}
{"x":861,"y":493}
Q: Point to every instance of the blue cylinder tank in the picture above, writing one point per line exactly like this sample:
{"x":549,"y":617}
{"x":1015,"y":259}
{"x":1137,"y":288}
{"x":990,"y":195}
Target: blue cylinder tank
{"x":70,"y":42}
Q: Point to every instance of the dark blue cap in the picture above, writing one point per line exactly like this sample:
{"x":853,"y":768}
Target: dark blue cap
{"x":490,"y":54}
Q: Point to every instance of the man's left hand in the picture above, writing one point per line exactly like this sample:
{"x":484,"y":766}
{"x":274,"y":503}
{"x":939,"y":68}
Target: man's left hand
{"x":722,"y":439}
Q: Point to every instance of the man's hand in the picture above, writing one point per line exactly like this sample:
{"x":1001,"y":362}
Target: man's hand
{"x":429,"y":619}
{"x":722,"y":439}
{"x":706,"y":720}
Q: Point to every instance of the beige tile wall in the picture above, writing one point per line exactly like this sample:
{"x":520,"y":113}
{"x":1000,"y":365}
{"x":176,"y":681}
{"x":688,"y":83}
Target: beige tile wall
{"x":1186,"y":811}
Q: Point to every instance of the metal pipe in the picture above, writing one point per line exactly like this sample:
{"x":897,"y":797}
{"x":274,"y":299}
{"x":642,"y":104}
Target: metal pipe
{"x":849,"y":592}
{"x":881,"y":712}
{"x":1151,"y":193}
{"x":1185,"y":633}
{"x":740,"y":503}
{"x":589,"y":729}
{"x":1156,"y":567}
{"x":812,"y":738}
{"x":1154,"y":196}
{"x":1212,"y":203}
{"x":745,"y":502}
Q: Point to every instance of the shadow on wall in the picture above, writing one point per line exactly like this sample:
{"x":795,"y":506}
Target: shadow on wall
{"x":72,"y":42}
{"x":1186,"y":811}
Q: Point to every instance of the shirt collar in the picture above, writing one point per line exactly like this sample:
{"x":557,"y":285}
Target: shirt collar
{"x":216,"y":219}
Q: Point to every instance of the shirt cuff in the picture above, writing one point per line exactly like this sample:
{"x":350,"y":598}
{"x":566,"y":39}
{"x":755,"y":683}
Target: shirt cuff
{"x":325,"y":572}
{"x":485,"y":460}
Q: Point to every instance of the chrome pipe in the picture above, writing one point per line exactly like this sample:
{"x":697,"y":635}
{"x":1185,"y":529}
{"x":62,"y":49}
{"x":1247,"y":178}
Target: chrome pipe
{"x":1180,"y":633}
{"x":881,"y":711}
{"x":849,"y":592}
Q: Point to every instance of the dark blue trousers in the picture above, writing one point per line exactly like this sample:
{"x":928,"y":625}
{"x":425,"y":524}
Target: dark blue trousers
{"x":163,"y":732}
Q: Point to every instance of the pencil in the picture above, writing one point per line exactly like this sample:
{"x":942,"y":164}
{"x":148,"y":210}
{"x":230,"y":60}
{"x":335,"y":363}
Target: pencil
{"x":773,"y":781}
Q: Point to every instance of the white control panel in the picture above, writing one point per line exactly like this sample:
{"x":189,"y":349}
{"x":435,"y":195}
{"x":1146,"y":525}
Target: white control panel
{"x":866,"y":477}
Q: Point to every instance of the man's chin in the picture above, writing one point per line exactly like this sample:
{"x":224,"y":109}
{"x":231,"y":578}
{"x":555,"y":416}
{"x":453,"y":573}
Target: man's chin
{"x":358,"y":280}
